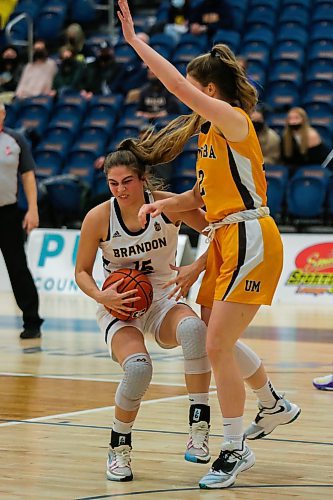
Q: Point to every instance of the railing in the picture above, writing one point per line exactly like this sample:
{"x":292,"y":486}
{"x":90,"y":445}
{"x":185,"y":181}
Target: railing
{"x":24,"y":43}
{"x":110,"y":9}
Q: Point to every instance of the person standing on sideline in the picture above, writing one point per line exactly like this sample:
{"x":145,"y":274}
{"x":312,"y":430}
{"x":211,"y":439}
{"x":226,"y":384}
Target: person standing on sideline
{"x":15,"y":157}
{"x":245,"y":256}
{"x":113,"y":226}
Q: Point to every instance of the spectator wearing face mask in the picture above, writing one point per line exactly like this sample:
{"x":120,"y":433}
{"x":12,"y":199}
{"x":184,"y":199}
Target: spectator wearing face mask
{"x":104,"y":75}
{"x":10,"y":72}
{"x":178,"y":19}
{"x":74,"y":39}
{"x":155,"y":100}
{"x":37,"y":77}
{"x":301,"y":144}
{"x":270,"y":141}
{"x":69,"y":74}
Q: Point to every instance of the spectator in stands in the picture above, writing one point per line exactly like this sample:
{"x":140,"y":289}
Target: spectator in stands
{"x":16,"y":158}
{"x":301,"y":143}
{"x":178,"y":18}
{"x":155,"y":100}
{"x":209,"y":15}
{"x":104,"y":75}
{"x":74,"y":39}
{"x":10,"y":72}
{"x":37,"y":77}
{"x":270,"y":141}
{"x":69,"y":74}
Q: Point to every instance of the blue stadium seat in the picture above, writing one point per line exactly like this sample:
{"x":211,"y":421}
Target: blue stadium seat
{"x":179,"y":184}
{"x":276,"y":121}
{"x":185,"y":163}
{"x":306,"y":192}
{"x":162,"y":39}
{"x":277,"y":178}
{"x":292,"y":32}
{"x":75,"y":100}
{"x":93,"y":42}
{"x":290,"y":51}
{"x":191,"y":144}
{"x":282,"y":96}
{"x":91,"y":140}
{"x":258,"y":52}
{"x":185,"y":53}
{"x":113,"y":102}
{"x":67,"y":116}
{"x":100,"y":185}
{"x":262,"y":15}
{"x":321,"y":49}
{"x":81,"y":164}
{"x":33,"y":117}
{"x":319,"y":71}
{"x":330,"y":196}
{"x":10,"y":119}
{"x":48,"y":162}
{"x":286,"y":71}
{"x":322,"y":12}
{"x":201,"y":41}
{"x":256,"y":73}
{"x":124,"y":132}
{"x":66,"y":195}
{"x":125,"y":54}
{"x":84,"y":11}
{"x":301,"y":3}
{"x":273,"y":4}
{"x":49,"y":24}
{"x":322,"y":30}
{"x":264,"y":36}
{"x":229,"y":37}
{"x":296,"y":14}
{"x":318,"y":92}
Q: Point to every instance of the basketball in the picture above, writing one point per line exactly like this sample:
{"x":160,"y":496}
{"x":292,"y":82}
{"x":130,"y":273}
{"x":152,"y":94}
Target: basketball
{"x":132,"y":279}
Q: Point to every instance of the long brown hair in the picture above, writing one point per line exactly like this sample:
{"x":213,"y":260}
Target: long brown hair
{"x":220,"y":67}
{"x":128,"y":159}
{"x":287,"y":135}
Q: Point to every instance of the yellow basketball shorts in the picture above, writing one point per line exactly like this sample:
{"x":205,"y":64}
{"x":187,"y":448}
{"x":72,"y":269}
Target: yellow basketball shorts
{"x":244,"y":263}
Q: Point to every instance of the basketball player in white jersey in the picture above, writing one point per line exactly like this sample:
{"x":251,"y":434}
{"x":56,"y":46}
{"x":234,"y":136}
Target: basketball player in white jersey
{"x":114,"y":227}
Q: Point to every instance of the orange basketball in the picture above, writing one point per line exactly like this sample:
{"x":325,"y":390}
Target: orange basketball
{"x":132,"y":279}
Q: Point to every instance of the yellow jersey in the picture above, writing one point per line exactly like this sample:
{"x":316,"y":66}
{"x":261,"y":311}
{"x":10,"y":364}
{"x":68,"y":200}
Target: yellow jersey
{"x":230,"y":175}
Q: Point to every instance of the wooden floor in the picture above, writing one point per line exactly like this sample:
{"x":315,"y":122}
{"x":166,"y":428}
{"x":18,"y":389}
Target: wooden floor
{"x":56,"y":398}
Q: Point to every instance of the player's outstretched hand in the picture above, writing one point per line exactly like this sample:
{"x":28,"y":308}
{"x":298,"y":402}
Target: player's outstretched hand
{"x":154,"y":209}
{"x":126,"y":20}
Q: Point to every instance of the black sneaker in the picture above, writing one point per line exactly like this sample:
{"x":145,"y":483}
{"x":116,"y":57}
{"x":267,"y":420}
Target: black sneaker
{"x":30,"y":333}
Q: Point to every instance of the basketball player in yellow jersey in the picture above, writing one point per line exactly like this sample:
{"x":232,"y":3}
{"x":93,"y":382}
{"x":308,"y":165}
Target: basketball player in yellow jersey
{"x":245,"y":257}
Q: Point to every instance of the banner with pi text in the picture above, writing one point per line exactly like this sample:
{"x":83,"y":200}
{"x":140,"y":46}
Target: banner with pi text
{"x":51,"y":255}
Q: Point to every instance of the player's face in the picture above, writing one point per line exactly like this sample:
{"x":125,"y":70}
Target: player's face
{"x":125,"y":184}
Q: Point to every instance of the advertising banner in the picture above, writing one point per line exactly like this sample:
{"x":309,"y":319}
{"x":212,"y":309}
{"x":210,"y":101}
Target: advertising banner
{"x":51,"y":255}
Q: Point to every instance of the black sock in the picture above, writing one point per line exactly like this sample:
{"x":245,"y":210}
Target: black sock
{"x":120,"y":439}
{"x":199,"y":413}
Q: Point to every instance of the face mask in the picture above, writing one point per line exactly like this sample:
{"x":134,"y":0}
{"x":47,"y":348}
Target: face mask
{"x":258,"y":126}
{"x":40,"y":54}
{"x":72,"y":40}
{"x":295,"y":126}
{"x":67,"y":64}
{"x":178,"y":4}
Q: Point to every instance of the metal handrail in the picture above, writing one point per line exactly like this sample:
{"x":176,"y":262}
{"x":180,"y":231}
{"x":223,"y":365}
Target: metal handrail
{"x":110,"y":8}
{"x":24,"y":43}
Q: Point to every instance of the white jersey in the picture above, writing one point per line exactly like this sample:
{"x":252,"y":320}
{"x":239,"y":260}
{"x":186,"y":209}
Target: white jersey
{"x":151,"y":249}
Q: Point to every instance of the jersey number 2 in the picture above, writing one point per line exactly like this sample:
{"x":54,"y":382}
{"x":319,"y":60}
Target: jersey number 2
{"x":201,"y":176}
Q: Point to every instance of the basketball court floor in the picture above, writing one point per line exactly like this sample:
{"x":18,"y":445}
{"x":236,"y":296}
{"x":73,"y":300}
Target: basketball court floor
{"x":57,"y":398}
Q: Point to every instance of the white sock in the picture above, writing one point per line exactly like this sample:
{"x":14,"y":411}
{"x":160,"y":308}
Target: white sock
{"x":122,"y":427}
{"x":233,"y":430}
{"x":200,"y":398}
{"x":267,"y":395}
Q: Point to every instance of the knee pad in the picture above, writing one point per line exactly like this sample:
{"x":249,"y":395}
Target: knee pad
{"x":138,"y":371}
{"x":248,"y":361}
{"x":191,"y":335}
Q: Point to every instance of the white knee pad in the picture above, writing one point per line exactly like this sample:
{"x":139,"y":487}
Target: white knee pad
{"x":191,"y":335}
{"x":248,"y":361}
{"x":138,"y":371}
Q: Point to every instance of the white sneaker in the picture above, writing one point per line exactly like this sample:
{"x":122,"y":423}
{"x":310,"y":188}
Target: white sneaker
{"x":224,"y":470}
{"x":118,"y":464}
{"x":197,"y":447}
{"x":284,"y":412}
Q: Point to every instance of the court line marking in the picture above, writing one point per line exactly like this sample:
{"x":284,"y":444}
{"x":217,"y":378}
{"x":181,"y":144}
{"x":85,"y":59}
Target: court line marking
{"x":91,"y":410}
{"x":87,"y":379}
{"x":241,"y":486}
{"x":158,"y":431}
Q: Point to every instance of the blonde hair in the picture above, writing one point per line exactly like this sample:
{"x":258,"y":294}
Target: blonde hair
{"x":287,"y":136}
{"x":219,"y":67}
